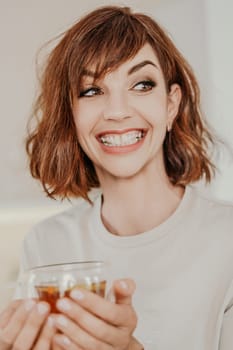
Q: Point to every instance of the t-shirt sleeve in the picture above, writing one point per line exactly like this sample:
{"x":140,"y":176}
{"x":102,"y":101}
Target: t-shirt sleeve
{"x":226,"y":338}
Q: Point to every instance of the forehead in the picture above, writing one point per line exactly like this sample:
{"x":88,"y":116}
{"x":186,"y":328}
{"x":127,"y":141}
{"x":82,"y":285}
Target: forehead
{"x":146,"y":53}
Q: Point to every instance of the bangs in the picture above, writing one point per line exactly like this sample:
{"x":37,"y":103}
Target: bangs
{"x":105,"y":47}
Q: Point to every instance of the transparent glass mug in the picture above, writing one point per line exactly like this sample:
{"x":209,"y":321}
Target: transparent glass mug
{"x":51,"y":282}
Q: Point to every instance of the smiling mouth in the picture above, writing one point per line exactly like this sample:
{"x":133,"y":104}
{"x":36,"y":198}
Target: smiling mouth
{"x":122,"y":139}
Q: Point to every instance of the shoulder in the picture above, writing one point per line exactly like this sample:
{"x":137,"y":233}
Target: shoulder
{"x":210,"y":232}
{"x":65,"y":218}
{"x":64,"y":223}
{"x":212,"y":204}
{"x":214,"y":213}
{"x":59,"y":238}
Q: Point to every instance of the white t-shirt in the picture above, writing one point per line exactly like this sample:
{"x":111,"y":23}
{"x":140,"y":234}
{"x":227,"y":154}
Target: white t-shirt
{"x":183,"y":268}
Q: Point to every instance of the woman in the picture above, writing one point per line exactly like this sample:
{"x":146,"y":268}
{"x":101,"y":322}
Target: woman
{"x":119,"y":110}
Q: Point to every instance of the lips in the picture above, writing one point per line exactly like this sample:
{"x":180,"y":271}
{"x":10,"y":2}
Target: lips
{"x":121,"y":138}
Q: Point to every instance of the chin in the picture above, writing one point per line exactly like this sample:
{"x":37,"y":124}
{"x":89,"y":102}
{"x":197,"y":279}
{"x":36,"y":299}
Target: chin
{"x":122,"y":172}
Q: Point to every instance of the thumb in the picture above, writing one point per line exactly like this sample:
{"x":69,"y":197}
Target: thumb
{"x":123,"y":290}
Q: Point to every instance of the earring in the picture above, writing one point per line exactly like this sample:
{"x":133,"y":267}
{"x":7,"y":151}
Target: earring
{"x":169,"y":126}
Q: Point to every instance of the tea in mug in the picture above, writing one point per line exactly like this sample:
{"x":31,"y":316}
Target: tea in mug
{"x":51,"y":293}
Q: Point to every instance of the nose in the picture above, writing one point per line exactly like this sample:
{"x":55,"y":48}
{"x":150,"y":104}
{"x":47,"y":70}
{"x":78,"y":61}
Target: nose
{"x":116,"y":106}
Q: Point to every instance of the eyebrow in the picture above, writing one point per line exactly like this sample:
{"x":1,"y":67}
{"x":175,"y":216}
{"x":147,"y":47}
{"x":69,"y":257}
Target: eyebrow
{"x":132,"y":70}
{"x":141,"y":65}
{"x":88,"y":73}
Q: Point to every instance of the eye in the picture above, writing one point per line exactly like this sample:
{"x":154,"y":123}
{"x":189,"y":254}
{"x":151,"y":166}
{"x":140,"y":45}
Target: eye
{"x":144,"y":86}
{"x":90,"y":92}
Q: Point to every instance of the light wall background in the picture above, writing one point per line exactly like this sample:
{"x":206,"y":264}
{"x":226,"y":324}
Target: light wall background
{"x":202,"y":29}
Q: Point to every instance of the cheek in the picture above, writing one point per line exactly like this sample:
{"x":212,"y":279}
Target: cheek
{"x":81,"y":130}
{"x":154,"y":112}
{"x":84,"y":127}
{"x":156,"y":101}
{"x":86,"y":116}
{"x":81,"y":121}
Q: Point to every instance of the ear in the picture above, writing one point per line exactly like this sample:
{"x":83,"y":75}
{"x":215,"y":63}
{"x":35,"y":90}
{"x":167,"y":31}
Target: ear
{"x":174,"y":98}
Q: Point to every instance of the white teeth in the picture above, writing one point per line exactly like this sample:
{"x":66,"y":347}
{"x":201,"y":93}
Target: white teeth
{"x":118,"y":140}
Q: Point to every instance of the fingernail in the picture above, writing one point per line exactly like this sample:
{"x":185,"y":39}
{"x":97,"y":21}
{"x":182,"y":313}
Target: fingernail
{"x":62,"y":321}
{"x":66,"y":340}
{"x":62,"y":340}
{"x":123,"y":285}
{"x":42,"y":308}
{"x":76,"y":294}
{"x":50,"y":321}
{"x":63,"y":304}
{"x":29,"y":304}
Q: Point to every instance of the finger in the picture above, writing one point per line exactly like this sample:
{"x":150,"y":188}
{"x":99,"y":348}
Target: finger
{"x":7,"y":313}
{"x":56,"y":346}
{"x":15,"y":324}
{"x":3,"y":344}
{"x":77,"y":335}
{"x":45,"y":338}
{"x":123,"y":290}
{"x":111,"y":313}
{"x":61,"y":342}
{"x":32,"y":326}
{"x":92,"y":324}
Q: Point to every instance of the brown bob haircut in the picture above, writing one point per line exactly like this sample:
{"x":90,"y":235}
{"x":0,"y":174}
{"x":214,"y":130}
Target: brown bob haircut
{"x":105,"y":38}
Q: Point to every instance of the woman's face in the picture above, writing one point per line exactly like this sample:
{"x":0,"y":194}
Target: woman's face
{"x":121,"y":119}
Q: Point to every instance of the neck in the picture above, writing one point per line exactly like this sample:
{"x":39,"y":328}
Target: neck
{"x":135,"y":205}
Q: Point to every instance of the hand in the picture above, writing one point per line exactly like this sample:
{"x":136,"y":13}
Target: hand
{"x":21,"y":323}
{"x":90,"y":322}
